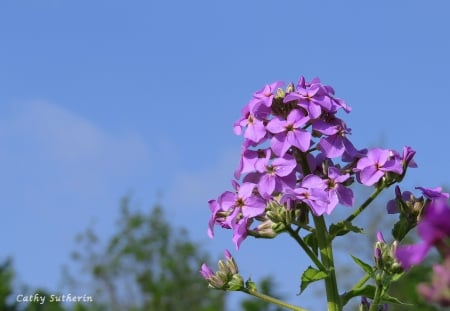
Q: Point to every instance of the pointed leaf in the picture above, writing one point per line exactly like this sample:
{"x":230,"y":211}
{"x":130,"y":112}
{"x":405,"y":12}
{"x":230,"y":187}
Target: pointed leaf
{"x":311,"y":240}
{"x":311,"y":275}
{"x":342,"y":228}
{"x":367,"y":291}
{"x":387,"y":298}
{"x":365,"y":266}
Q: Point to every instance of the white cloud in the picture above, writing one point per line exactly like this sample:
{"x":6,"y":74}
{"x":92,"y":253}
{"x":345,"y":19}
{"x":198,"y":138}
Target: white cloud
{"x":45,"y":141}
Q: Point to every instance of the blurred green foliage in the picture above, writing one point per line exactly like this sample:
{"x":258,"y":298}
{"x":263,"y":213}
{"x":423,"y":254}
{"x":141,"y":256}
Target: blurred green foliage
{"x":147,"y":264}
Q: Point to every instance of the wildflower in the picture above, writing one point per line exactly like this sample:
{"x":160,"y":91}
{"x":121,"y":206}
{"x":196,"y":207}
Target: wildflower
{"x":377,"y":162}
{"x":433,"y":229}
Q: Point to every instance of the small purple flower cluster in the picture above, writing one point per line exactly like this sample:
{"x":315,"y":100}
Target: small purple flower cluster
{"x":433,"y":227}
{"x":438,"y":291}
{"x":296,"y":151}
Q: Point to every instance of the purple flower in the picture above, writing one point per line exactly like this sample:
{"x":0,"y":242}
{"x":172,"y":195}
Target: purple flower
{"x":439,"y":290}
{"x":234,"y":210}
{"x":408,"y":154}
{"x":227,"y":277}
{"x":433,"y":230}
{"x":264,"y":96}
{"x":312,"y":192}
{"x":377,"y":162}
{"x":244,"y":201}
{"x":289,"y":133}
{"x":338,"y":193}
{"x":310,"y":96}
{"x":276,"y":176}
{"x":253,"y":124}
{"x":247,"y":162}
{"x":392,"y":205}
{"x":336,"y":103}
{"x":336,"y":142}
{"x":433,"y":193}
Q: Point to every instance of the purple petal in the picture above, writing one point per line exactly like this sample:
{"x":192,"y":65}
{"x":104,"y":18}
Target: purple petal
{"x":239,"y":232}
{"x":266,"y":185}
{"x":206,"y":271}
{"x":255,"y":131}
{"x":284,"y":166}
{"x":325,"y":127}
{"x":246,"y":190}
{"x":392,"y":207}
{"x":345,"y":195}
{"x":299,"y":138}
{"x":276,"y":126}
{"x":370,"y":175}
{"x":379,"y":156}
{"x":410,"y":255}
{"x":279,"y":145}
{"x":332,"y":146}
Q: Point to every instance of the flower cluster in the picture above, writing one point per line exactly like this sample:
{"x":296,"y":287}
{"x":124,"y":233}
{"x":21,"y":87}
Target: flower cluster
{"x":438,"y":291}
{"x":433,"y":227}
{"x":226,"y":278}
{"x":297,"y":152}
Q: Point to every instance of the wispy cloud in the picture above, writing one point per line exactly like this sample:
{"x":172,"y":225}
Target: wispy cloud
{"x":46,"y":141}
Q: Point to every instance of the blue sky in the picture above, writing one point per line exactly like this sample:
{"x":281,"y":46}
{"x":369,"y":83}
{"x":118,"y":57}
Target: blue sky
{"x":99,"y":99}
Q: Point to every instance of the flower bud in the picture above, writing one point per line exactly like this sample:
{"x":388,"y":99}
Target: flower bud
{"x":231,"y":263}
{"x":236,"y":283}
{"x":378,"y":256}
{"x":280,"y":93}
{"x":364,"y":305}
{"x":226,"y":278}
{"x":290,"y":88}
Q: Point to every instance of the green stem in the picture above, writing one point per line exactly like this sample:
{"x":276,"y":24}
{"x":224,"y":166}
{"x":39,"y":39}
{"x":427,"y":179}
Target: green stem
{"x":272,"y":300}
{"x":326,"y":254}
{"x":361,"y":282}
{"x":365,"y":204}
{"x":306,"y":248}
{"x":377,"y":297}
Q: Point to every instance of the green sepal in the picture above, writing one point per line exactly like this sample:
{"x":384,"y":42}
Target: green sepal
{"x":236,"y":283}
{"x":311,"y":275}
{"x":250,"y":285}
{"x":342,"y":228}
{"x":365,"y":266}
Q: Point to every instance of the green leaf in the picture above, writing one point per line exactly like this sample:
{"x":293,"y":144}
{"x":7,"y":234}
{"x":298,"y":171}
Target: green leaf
{"x":311,"y":275}
{"x":342,"y":228}
{"x":311,"y":240}
{"x":367,"y":291}
{"x":365,"y":266}
{"x":388,"y":298}
{"x":401,"y":228}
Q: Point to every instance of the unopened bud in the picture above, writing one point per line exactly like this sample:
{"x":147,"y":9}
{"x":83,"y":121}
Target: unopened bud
{"x":265,"y":230}
{"x":290,"y":88}
{"x":364,"y":305}
{"x":280,"y":93}
{"x":236,"y":283}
